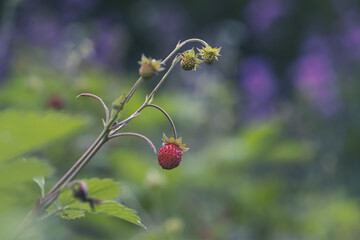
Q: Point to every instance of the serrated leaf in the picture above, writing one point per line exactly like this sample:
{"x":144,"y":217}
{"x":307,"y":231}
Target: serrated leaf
{"x":115,"y":209}
{"x":103,"y":189}
{"x":70,"y":214}
{"x":109,"y":208}
{"x":23,"y":131}
{"x":22,"y":170}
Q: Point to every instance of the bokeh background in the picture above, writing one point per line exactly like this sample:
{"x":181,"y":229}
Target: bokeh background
{"x":273,"y":127}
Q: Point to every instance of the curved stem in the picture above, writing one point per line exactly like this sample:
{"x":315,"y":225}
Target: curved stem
{"x":167,"y":116}
{"x":180,"y":45}
{"x":136,"y":135}
{"x":119,"y":125}
{"x":99,"y":99}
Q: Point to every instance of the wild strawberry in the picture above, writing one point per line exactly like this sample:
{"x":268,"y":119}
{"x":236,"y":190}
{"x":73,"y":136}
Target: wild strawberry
{"x":170,"y":154}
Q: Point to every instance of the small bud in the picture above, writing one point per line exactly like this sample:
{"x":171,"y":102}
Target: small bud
{"x":209,"y":54}
{"x":149,"y":67}
{"x":190,"y":60}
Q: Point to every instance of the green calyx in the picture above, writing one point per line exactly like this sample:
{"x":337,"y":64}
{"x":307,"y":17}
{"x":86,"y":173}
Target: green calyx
{"x":209,"y":54}
{"x":190,"y":60}
{"x":176,"y":142}
{"x":149,"y":67}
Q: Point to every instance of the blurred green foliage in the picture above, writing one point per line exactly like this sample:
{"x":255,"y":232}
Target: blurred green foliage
{"x":257,"y":181}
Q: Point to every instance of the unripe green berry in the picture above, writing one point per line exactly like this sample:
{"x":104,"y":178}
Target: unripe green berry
{"x":209,"y":54}
{"x":149,"y":67}
{"x":187,"y":64}
{"x":209,"y":58}
{"x":189,"y":60}
{"x":147,"y":71}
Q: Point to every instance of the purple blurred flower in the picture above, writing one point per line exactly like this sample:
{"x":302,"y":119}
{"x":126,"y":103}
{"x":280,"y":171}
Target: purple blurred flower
{"x":261,"y":14}
{"x":168,"y":21}
{"x":5,"y":57}
{"x":72,"y":9}
{"x":258,"y":82}
{"x":350,"y":36}
{"x":110,"y":42}
{"x":42,"y":28}
{"x":315,"y":79}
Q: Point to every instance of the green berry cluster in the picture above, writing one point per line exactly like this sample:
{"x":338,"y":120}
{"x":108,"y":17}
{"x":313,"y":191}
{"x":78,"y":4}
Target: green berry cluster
{"x":190,"y":60}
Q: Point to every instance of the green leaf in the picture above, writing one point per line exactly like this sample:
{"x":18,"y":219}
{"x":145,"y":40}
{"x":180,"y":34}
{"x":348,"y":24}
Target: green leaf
{"x":102,"y":189}
{"x":115,"y":209}
{"x":70,"y":214}
{"x":19,"y":171}
{"x":23,"y":131}
{"x":118,"y":106}
{"x":109,"y":208}
{"x":41,"y":182}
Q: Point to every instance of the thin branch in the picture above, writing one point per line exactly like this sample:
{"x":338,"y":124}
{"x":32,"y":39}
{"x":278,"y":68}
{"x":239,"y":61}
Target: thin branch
{"x":133,"y":89}
{"x":167,"y":116}
{"x":85,"y":161}
{"x":136,"y":135}
{"x":76,"y":164}
{"x":118,"y":126}
{"x":180,"y":45}
{"x":98,"y":98}
{"x":175,"y":61}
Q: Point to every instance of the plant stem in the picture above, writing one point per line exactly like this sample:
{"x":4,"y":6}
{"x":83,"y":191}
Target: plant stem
{"x":175,"y":61}
{"x":76,"y":164}
{"x":118,"y":126}
{"x":180,"y":45}
{"x":110,"y":131}
{"x":133,"y":89}
{"x":167,"y":116}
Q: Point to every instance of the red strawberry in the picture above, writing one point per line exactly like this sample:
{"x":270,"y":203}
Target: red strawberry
{"x":170,"y":154}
